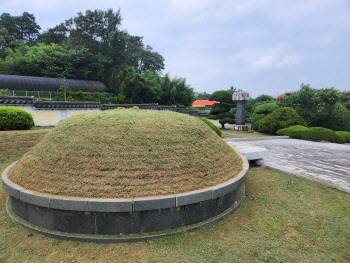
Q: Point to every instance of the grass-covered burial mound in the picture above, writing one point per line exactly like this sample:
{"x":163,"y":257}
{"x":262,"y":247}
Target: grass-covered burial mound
{"x":126,"y":153}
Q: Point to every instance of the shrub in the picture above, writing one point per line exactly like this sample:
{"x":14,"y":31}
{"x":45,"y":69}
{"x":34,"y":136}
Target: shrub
{"x":279,"y":119}
{"x":293,"y":131}
{"x":345,"y":134}
{"x":227,"y":120}
{"x":15,"y":119}
{"x":256,"y":119}
{"x":226,"y":115}
{"x":322,"y":134}
{"x":266,"y":108}
{"x":338,"y":120}
{"x":213,"y":117}
{"x":212,"y":126}
{"x":216,"y":110}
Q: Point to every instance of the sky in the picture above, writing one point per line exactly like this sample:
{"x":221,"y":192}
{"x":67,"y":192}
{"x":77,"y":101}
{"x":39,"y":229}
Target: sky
{"x":259,"y":46}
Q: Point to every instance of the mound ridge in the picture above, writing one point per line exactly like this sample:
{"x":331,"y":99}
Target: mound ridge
{"x":126,"y":153}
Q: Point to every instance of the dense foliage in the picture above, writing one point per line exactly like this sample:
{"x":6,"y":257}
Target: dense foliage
{"x":90,"y":46}
{"x":314,"y":134}
{"x":225,"y":105}
{"x":292,"y":131}
{"x":311,"y":104}
{"x":279,"y":119}
{"x":15,"y":119}
{"x":345,"y":99}
{"x":226,"y":120}
{"x":345,"y":134}
{"x":262,"y":99}
{"x":212,"y":126}
{"x":260,"y":112}
{"x":338,"y":120}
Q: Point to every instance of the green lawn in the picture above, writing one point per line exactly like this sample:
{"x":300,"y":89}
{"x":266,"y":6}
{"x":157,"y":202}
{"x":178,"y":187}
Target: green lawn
{"x":229,"y":133}
{"x":283,"y":219}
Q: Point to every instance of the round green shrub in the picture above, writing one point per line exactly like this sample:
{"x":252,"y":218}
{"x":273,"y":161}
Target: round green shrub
{"x":213,"y":117}
{"x":338,"y":120}
{"x":256,"y":119}
{"x":212,"y":125}
{"x":279,"y":119}
{"x":345,"y":134}
{"x":15,"y":119}
{"x":226,"y":115}
{"x":293,"y":131}
{"x":266,"y":108}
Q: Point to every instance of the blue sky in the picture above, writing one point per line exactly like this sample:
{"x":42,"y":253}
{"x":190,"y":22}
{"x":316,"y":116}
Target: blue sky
{"x":259,"y":46}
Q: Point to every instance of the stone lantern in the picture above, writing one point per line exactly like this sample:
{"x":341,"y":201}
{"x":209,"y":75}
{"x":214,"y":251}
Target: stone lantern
{"x":241,"y":97}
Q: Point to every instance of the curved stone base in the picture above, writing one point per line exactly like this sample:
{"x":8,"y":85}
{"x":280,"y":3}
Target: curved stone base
{"x":104,"y":240}
{"x":123,"y":223}
{"x":88,"y":216}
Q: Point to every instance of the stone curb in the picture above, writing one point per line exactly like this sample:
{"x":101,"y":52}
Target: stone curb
{"x":58,"y":236}
{"x":123,"y":205}
{"x":308,"y":179}
{"x":256,"y":138}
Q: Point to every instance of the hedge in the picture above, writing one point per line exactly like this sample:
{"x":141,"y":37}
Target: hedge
{"x":293,"y":131}
{"x":315,"y":134}
{"x":15,"y":119}
{"x":345,"y":134}
{"x":279,"y":119}
{"x":212,"y":126}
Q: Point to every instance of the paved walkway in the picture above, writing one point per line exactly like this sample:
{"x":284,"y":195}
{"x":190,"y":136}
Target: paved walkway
{"x":323,"y":161}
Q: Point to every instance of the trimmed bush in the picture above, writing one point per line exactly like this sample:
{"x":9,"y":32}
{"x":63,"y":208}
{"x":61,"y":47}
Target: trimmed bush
{"x":345,"y":134}
{"x":293,"y":131}
{"x":266,"y":108}
{"x":280,"y":119}
{"x":338,"y":120}
{"x":226,"y":115}
{"x":15,"y":119}
{"x":212,"y":125}
{"x":213,"y":117}
{"x":256,"y":119}
{"x":227,"y":120}
{"x":322,"y":134}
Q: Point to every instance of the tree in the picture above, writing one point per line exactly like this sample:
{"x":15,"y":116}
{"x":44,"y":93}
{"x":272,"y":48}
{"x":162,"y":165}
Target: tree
{"x":311,"y":104}
{"x":203,"y":96}
{"x":22,"y":27}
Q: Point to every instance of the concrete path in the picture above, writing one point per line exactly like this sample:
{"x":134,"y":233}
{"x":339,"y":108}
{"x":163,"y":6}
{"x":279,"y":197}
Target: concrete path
{"x":327,"y":163}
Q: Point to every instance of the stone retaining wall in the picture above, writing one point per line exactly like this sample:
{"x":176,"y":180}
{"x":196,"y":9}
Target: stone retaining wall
{"x":124,"y":216}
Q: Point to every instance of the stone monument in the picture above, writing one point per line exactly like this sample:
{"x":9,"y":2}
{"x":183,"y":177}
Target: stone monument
{"x":241,"y":97}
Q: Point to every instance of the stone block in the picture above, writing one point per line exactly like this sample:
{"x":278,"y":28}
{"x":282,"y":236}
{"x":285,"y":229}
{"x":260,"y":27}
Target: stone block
{"x":195,"y":213}
{"x":240,"y":127}
{"x":41,"y":216}
{"x":193,"y":197}
{"x":29,"y":197}
{"x":142,"y":204}
{"x":157,"y":220}
{"x":118,"y":223}
{"x":66,"y":204}
{"x":105,"y":205}
{"x":12,"y":191}
{"x":74,"y":222}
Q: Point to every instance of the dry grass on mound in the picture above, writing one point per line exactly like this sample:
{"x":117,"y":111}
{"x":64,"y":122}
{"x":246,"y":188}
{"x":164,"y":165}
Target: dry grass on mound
{"x":127,"y":153}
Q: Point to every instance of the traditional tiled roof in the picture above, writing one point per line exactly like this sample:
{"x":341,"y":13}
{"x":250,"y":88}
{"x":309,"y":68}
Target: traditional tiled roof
{"x":16,"y":100}
{"x":201,"y":103}
{"x":66,"y":104}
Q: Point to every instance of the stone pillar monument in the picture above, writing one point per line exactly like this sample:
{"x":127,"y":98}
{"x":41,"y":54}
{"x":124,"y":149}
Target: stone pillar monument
{"x":241,"y":97}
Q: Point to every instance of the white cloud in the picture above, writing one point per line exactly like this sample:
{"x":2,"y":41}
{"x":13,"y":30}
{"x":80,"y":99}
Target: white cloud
{"x":275,"y":57}
{"x":326,"y":39}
